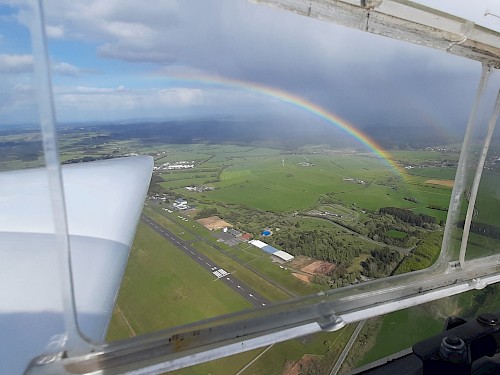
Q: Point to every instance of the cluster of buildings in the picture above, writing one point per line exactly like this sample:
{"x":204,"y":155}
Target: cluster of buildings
{"x":231,"y":236}
{"x":175,"y":166}
{"x":181,"y":204}
{"x":348,"y":179}
{"x":199,"y":189}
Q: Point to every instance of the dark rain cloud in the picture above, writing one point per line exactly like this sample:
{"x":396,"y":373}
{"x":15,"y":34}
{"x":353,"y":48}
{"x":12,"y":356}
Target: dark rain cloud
{"x":362,"y":77}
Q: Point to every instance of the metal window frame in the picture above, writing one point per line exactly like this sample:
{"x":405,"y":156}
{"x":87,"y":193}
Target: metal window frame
{"x":222,"y":336}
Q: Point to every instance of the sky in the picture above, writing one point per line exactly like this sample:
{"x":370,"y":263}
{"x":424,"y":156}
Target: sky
{"x":119,"y":60}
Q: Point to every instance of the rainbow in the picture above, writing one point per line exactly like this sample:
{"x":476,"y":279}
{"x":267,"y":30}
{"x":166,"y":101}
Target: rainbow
{"x":300,"y":103}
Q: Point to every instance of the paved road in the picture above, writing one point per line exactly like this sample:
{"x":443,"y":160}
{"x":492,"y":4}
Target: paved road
{"x":239,"y":287}
{"x":347,"y":348}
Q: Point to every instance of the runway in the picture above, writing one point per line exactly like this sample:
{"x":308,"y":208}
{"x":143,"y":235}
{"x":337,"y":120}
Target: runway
{"x":219,"y":273}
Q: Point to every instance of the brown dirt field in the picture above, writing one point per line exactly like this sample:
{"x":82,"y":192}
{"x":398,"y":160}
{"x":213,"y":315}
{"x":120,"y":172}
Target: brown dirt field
{"x":301,"y":277}
{"x":299,"y":262}
{"x":213,"y":223}
{"x":296,"y":368}
{"x":447,"y":183}
{"x":319,"y":266}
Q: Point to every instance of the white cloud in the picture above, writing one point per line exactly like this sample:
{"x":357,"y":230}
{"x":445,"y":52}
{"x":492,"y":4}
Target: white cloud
{"x":55,"y":32}
{"x":121,"y":102}
{"x":94,"y":102}
{"x":65,"y":69}
{"x":180,"y":96}
{"x":16,"y":63}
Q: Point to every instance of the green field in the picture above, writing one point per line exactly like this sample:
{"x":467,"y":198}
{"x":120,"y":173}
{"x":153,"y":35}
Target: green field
{"x":265,"y":179}
{"x":400,"y":330}
{"x":488,"y":199}
{"x":160,"y":285}
{"x":242,"y":273}
{"x":439,"y":173}
{"x":258,"y":188}
{"x":396,"y":234}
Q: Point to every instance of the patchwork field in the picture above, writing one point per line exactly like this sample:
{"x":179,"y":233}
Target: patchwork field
{"x":259,"y":187}
{"x":273,"y":189}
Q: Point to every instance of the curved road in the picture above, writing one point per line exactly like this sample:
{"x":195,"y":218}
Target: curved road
{"x":242,"y":289}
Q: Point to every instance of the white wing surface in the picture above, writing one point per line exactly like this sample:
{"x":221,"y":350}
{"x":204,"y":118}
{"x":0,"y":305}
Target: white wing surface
{"x":104,"y":200}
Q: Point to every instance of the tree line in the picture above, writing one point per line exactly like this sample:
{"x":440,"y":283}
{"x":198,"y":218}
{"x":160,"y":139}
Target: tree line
{"x":408,"y":216}
{"x":483,"y":229}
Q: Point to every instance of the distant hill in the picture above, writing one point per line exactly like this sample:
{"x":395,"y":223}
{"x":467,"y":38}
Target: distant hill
{"x":404,"y":137}
{"x":259,"y":132}
{"x":275,"y":132}
{"x":278,"y":132}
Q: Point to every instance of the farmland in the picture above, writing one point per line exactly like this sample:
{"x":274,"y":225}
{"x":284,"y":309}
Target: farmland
{"x":320,"y":204}
{"x":256,"y":188}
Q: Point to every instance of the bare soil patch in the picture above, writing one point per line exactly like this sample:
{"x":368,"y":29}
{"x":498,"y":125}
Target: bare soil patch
{"x":447,"y":183}
{"x":297,"y":368}
{"x":304,"y":278}
{"x":319,"y":267}
{"x":300,"y":261}
{"x":214,"y":223}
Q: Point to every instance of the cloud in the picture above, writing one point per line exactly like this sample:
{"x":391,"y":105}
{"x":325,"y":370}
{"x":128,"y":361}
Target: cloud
{"x":65,"y":69}
{"x":17,"y":101}
{"x":55,"y":32}
{"x":16,"y":63}
{"x":87,"y":102}
{"x":363,"y":77}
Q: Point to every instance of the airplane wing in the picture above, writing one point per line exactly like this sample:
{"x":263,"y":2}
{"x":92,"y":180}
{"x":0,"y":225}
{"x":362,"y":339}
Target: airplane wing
{"x":104,"y":200}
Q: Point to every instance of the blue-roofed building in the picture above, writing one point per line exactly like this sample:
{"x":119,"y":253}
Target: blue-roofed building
{"x":269,"y":249}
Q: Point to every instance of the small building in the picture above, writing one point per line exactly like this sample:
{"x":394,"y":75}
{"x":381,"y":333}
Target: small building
{"x":180,"y":204}
{"x":269,"y":249}
{"x":234,"y":232}
{"x":246,"y":237}
{"x":283,"y":256}
{"x":258,"y":243}
{"x":181,"y":201}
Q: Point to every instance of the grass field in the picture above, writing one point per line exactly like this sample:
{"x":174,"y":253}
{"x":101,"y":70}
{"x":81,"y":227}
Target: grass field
{"x":325,"y":345}
{"x":262,"y":178}
{"x":400,"y":330}
{"x":275,"y":182}
{"x":160,"y":286}
{"x":242,"y":273}
{"x":441,"y":173}
{"x":221,"y":253}
{"x":488,"y":199}
{"x":396,"y":234}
